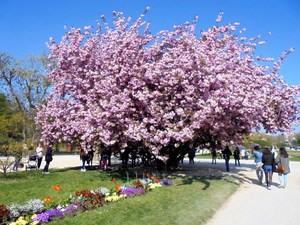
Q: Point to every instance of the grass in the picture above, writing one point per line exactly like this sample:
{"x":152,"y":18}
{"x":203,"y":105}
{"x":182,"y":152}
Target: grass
{"x":204,"y":156}
{"x":190,"y":201}
{"x":294,"y":156}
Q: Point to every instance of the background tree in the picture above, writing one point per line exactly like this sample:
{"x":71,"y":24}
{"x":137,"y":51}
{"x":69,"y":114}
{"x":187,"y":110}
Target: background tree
{"x":25,"y":86}
{"x":296,"y":140}
{"x":12,"y":121}
{"x":169,"y":91}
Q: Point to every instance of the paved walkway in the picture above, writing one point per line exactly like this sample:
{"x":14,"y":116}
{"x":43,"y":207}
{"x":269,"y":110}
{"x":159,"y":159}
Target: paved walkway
{"x":253,"y":204}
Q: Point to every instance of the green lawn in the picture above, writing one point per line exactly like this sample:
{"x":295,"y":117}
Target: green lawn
{"x":294,"y":155}
{"x":189,"y":201}
{"x":204,"y":156}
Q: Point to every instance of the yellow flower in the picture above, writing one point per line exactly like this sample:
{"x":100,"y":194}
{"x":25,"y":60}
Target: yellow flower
{"x":154,"y":185}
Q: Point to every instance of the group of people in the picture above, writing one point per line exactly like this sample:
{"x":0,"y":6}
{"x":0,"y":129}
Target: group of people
{"x":86,"y":156}
{"x":38,"y":155}
{"x":267,"y":164}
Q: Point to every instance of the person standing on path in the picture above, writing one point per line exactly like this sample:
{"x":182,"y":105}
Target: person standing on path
{"x":268,"y":160}
{"x":48,"y":159}
{"x":90,"y":156}
{"x":258,"y":161}
{"x":236,"y":155}
{"x":39,"y":152}
{"x":226,"y":155}
{"x":191,"y":155}
{"x":213,"y":156}
{"x":83,"y":156}
{"x":282,"y":159}
{"x":18,"y":158}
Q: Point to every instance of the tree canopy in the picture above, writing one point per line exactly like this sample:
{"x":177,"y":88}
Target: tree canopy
{"x":24,"y":86}
{"x":122,"y":84}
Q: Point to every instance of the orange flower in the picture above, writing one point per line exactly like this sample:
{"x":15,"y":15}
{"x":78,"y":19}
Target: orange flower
{"x":152,"y":177}
{"x":156,"y":180}
{"x":113,"y":179}
{"x":57,"y":188}
{"x":48,"y":199}
{"x":146,"y":174}
{"x":118,"y":187}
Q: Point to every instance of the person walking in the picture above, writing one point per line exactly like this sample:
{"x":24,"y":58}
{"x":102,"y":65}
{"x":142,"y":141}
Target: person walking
{"x":258,"y":161}
{"x":83,"y":156}
{"x":282,"y":159}
{"x":226,"y":155}
{"x":90,"y":157}
{"x":18,"y":158}
{"x":268,"y":161}
{"x":48,"y":159}
{"x":39,"y":153}
{"x":236,"y":155}
{"x":191,"y":155}
{"x":213,"y":156}
{"x":104,"y":159}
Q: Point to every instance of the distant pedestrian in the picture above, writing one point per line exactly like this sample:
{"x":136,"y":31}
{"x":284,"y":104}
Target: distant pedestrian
{"x":48,"y":159}
{"x":83,"y":156}
{"x":213,"y":156}
{"x":268,"y":161}
{"x":282,"y":159}
{"x":236,"y":155}
{"x":226,"y":155}
{"x":18,"y":158}
{"x":5,"y":150}
{"x":104,"y":159}
{"x":257,"y":153}
{"x":90,"y":157}
{"x":191,"y":155}
{"x":39,"y":153}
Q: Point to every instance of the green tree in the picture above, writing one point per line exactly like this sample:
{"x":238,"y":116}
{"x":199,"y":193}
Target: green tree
{"x":296,"y":139}
{"x":12,"y":121}
{"x":25,"y":86}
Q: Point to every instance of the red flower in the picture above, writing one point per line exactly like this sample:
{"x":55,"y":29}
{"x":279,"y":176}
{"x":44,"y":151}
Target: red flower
{"x":57,"y":188}
{"x":113,"y":179}
{"x":48,"y":199}
{"x":118,"y":187}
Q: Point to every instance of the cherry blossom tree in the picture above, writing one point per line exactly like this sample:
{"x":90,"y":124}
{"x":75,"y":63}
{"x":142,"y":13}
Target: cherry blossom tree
{"x":167,"y":91}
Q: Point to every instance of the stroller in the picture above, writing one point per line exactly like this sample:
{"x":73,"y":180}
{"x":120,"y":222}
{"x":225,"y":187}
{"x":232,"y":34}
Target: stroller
{"x":31,"y":163}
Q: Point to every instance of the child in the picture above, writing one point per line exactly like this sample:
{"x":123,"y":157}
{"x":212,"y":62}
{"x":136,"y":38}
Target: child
{"x":104,"y":157}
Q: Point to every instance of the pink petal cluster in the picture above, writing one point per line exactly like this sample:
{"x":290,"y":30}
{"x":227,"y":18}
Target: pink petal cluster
{"x":123,"y":84}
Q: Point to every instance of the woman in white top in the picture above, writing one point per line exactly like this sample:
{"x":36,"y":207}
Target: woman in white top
{"x":39,"y":152}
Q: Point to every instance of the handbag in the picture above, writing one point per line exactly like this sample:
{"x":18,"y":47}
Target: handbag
{"x":280,"y":169}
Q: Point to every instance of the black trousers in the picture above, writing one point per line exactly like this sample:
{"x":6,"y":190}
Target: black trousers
{"x":46,"y":166}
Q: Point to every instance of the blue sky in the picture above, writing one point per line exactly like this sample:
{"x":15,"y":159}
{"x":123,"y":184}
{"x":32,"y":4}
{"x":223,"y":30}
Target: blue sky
{"x":27,"y":25}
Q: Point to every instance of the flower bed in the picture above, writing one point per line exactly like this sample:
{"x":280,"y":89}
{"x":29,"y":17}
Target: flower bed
{"x":53,"y":208}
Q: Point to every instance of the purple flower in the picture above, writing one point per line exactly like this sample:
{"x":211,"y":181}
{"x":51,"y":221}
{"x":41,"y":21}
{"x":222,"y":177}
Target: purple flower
{"x":166,"y":182}
{"x":70,"y":210}
{"x":49,"y":215}
{"x":131,"y":192}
